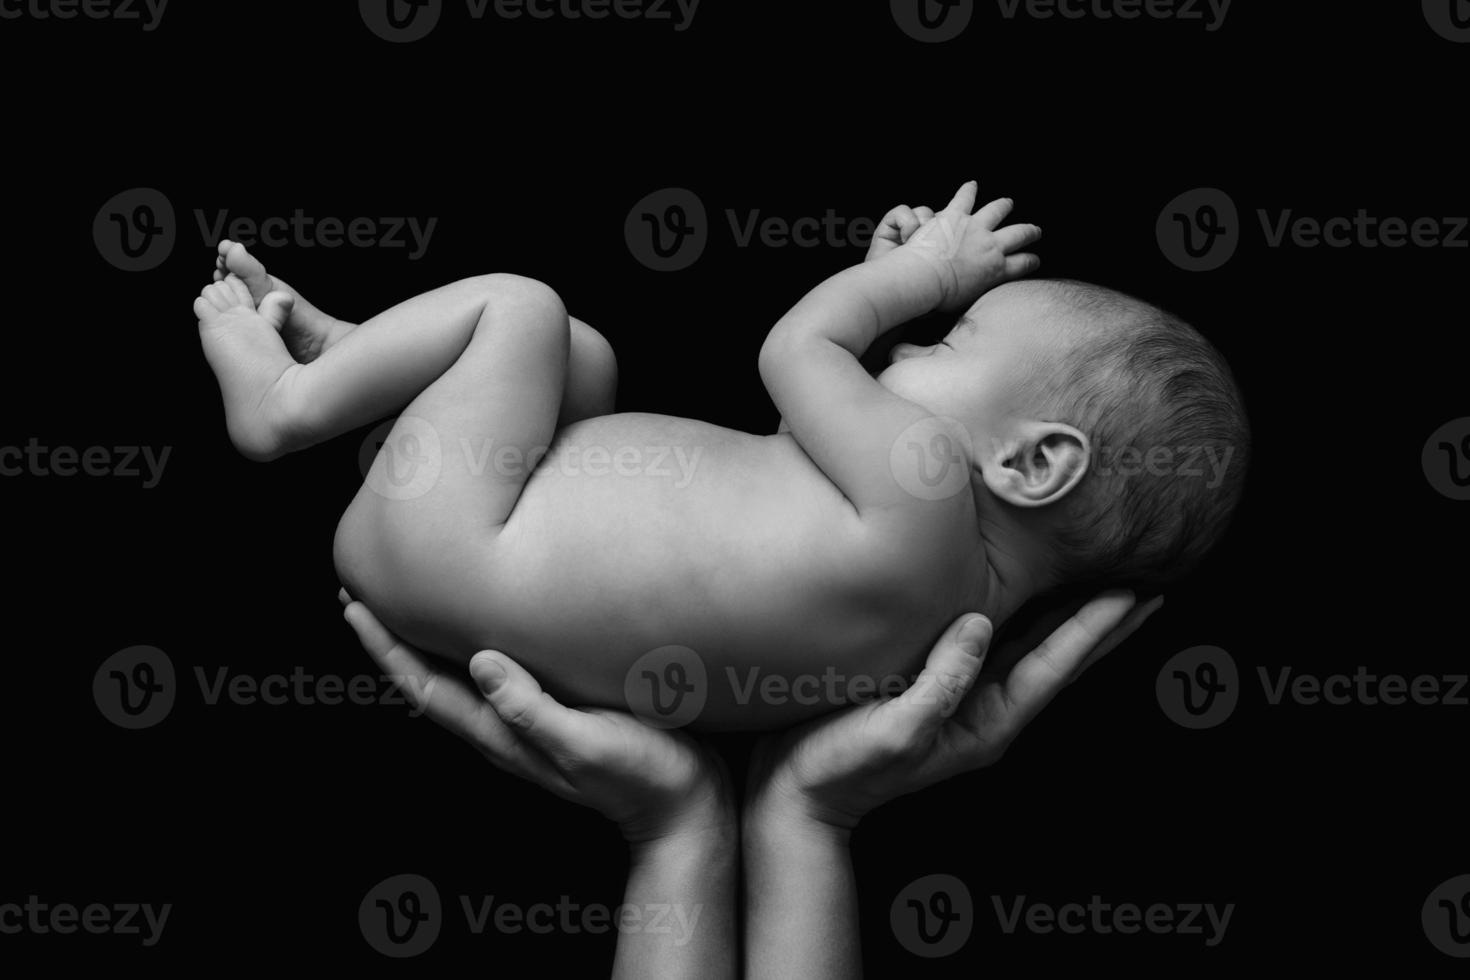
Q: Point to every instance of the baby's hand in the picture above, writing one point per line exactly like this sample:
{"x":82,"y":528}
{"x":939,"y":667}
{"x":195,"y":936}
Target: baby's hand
{"x":896,"y":228}
{"x":831,"y":771}
{"x":969,"y":252}
{"x":653,"y":784}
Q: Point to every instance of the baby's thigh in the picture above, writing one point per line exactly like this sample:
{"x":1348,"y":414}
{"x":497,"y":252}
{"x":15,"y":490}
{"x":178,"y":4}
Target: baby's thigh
{"x":592,"y":376}
{"x":423,"y":566}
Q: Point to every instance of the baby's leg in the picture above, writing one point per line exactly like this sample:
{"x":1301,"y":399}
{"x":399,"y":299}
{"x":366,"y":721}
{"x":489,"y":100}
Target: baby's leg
{"x":420,"y":559}
{"x":275,"y":404}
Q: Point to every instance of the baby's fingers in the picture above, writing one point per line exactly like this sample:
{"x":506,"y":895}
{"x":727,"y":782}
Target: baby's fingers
{"x":964,"y":200}
{"x":1019,"y":266}
{"x":990,"y":216}
{"x":895,"y":228}
{"x":1013,"y":238}
{"x":903,"y":220}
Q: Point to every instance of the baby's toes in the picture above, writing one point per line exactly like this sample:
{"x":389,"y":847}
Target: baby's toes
{"x":239,"y":261}
{"x":240,"y":291}
{"x":220,"y":295}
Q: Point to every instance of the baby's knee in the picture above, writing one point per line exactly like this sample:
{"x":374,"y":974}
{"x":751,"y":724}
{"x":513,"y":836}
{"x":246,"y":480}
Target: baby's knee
{"x":526,"y":299}
{"x":594,"y":362}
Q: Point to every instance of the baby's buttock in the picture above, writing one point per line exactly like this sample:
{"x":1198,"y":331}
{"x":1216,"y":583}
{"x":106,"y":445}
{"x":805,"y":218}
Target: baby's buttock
{"x":678,"y":568}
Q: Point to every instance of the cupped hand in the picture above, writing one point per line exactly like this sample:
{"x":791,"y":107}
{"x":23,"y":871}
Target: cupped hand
{"x":652,"y":783}
{"x":835,"y":769}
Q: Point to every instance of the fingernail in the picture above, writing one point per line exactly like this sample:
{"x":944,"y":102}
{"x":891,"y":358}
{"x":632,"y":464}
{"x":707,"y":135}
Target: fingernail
{"x":975,"y":632}
{"x":487,"y":670}
{"x":343,"y":597}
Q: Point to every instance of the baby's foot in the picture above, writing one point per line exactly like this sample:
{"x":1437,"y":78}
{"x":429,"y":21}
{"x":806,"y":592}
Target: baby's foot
{"x":256,"y":373}
{"x":307,"y":330}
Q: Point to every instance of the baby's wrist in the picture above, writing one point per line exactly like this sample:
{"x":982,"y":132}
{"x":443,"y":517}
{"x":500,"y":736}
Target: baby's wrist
{"x":927,"y":280}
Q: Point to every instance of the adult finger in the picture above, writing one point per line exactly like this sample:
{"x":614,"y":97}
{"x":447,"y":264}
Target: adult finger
{"x":533,"y":715}
{"x":1135,"y":618}
{"x":447,"y":701}
{"x":1037,"y":678}
{"x":950,"y":671}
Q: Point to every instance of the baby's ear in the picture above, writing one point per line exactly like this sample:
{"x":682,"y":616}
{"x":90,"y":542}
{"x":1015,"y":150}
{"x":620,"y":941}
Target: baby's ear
{"x":1039,"y":465}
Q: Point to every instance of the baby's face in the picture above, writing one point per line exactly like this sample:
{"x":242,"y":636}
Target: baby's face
{"x":982,"y":373}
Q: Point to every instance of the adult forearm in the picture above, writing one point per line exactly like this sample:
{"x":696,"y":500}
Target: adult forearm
{"x":679,"y":907}
{"x":800,"y":902}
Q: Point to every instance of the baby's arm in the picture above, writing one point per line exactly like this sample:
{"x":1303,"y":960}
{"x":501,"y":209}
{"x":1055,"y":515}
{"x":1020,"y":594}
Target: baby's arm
{"x":843,"y":418}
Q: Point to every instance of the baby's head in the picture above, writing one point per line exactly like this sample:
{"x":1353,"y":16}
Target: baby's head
{"x":1108,"y":431}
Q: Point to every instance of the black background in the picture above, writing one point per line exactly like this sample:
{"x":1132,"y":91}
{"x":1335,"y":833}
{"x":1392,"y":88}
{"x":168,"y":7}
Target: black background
{"x":1327,"y":826}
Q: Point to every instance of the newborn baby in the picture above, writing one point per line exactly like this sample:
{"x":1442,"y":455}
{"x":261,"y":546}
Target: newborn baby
{"x":509,"y":509}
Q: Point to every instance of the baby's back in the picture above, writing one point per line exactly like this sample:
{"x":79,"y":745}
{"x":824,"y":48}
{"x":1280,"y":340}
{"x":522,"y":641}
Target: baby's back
{"x":638,"y":533}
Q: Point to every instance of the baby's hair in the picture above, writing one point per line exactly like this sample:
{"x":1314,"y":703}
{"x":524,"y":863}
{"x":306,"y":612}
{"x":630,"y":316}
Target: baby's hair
{"x":1170,"y":439}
